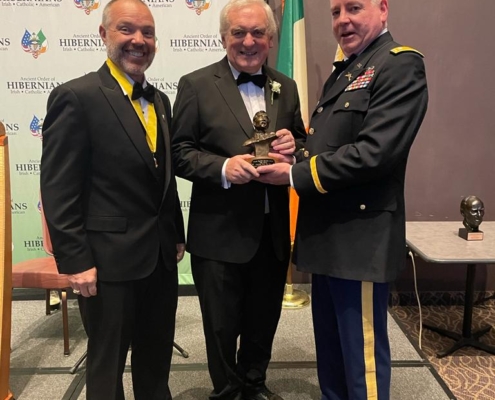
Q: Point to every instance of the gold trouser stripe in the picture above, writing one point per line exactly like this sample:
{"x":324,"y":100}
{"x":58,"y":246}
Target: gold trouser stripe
{"x":369,"y":340}
{"x":314,"y":175}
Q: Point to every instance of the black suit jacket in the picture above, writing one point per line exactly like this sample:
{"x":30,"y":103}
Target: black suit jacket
{"x":210,"y":125}
{"x":105,"y":203}
{"x":351,"y":221}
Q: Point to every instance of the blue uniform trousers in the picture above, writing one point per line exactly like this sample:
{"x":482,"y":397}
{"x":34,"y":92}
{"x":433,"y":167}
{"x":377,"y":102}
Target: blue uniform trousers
{"x":352,"y":347}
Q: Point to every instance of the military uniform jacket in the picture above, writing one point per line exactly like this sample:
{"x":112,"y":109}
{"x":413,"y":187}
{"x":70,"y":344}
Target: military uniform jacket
{"x":351,"y":221}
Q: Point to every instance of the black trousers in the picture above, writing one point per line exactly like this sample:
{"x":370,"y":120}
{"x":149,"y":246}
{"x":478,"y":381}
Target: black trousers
{"x":140,"y":313}
{"x":240,"y":301}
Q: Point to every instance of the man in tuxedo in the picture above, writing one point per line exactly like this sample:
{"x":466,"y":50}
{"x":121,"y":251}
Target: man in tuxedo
{"x":351,"y":222}
{"x":238,"y":233}
{"x":111,"y":204}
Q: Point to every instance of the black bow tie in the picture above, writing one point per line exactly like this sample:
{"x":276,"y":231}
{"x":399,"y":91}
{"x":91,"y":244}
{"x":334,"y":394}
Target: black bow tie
{"x":259,"y":80}
{"x":342,"y":65}
{"x":148,"y":93}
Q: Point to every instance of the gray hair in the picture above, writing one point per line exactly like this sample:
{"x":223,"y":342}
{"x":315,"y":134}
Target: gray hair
{"x":239,"y":4}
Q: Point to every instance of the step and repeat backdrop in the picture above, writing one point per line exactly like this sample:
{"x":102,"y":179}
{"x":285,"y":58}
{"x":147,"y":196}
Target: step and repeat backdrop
{"x":44,"y":43}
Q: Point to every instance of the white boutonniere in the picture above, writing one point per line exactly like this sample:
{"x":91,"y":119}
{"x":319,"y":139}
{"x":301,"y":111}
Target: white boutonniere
{"x":275,"y":87}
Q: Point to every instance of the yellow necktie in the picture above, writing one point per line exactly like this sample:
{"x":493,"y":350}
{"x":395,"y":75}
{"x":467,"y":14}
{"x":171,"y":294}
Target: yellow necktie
{"x":150,"y":125}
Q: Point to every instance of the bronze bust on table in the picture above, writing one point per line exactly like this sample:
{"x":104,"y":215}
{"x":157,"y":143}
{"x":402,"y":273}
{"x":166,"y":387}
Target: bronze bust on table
{"x":261,"y":140}
{"x":472,"y":210}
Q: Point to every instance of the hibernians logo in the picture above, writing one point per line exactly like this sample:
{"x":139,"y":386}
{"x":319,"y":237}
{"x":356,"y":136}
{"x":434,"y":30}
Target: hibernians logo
{"x":200,"y":42}
{"x":32,"y":167}
{"x":18,"y":208}
{"x":198,"y":5}
{"x":36,"y":126}
{"x":4,"y":43}
{"x":168,"y":87}
{"x":159,"y":3}
{"x":34,"y":43}
{"x":34,"y":244}
{"x":11,"y":128}
{"x":87,"y":5}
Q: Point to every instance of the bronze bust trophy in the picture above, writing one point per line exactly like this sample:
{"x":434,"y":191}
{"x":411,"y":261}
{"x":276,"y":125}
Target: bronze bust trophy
{"x":261,"y":140}
{"x":473,"y":210}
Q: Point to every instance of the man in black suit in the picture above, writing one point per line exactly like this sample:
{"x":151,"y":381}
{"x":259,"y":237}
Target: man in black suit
{"x":351,"y":221}
{"x":111,"y":204}
{"x":238,"y":233}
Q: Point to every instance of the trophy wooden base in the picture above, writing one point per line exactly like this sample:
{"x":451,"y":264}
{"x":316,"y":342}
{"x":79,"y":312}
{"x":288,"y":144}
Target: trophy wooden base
{"x":467,"y":235}
{"x":260,"y":161}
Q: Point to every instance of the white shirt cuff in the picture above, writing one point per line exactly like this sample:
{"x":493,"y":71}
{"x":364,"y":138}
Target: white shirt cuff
{"x":225,"y":182}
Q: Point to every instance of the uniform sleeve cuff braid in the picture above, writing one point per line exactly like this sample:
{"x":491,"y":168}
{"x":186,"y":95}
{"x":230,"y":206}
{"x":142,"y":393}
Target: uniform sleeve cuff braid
{"x":314,"y":174}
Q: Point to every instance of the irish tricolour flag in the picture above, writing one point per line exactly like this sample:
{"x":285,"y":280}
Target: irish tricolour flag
{"x":292,"y":50}
{"x":292,"y":62}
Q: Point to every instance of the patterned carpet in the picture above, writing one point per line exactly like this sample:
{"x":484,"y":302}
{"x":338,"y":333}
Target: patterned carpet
{"x":468,"y":372}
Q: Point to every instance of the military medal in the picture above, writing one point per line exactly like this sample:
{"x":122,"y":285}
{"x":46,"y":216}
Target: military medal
{"x":363,"y":80}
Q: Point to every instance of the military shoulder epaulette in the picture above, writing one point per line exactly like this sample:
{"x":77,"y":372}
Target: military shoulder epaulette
{"x":403,"y":49}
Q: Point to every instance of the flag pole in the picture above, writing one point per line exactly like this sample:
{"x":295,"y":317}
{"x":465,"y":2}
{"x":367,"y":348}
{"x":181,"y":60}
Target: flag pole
{"x":293,"y":298}
{"x":292,"y":62}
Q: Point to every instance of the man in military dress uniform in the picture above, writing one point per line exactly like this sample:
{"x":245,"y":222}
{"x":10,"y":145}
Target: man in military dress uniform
{"x":350,"y":179}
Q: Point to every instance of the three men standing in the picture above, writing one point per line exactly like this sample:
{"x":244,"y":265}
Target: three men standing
{"x":111,"y":204}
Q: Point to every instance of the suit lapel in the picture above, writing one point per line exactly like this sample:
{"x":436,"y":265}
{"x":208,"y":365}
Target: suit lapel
{"x":162,"y":120}
{"x":228,"y":89}
{"x":124,"y":111}
{"x":271,"y":108}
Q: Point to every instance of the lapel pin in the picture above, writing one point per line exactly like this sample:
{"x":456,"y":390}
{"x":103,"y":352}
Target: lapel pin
{"x":359,"y":65}
{"x":348,"y":76}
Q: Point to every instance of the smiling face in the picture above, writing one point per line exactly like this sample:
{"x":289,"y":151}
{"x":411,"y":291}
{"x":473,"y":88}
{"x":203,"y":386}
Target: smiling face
{"x":356,"y":23}
{"x":247,"y":40}
{"x":128,"y":31}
